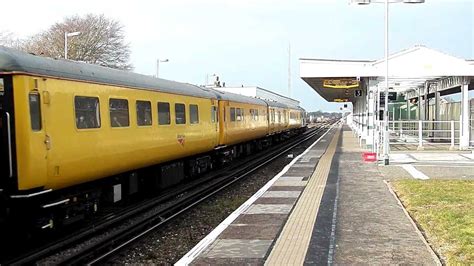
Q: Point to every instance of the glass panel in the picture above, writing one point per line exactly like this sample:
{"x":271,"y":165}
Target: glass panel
{"x":180,"y":111}
{"x":213,"y":114}
{"x":238,"y":114}
{"x":87,"y":112}
{"x":193,"y":114}
{"x":164,"y":117}
{"x":2,"y":88}
{"x":144,"y":113}
{"x":232,"y":114}
{"x":119,"y":116}
{"x":35,"y":111}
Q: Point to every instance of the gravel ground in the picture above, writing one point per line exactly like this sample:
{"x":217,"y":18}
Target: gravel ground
{"x":175,"y":239}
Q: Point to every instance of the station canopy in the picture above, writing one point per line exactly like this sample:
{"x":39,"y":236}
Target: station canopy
{"x":339,"y":80}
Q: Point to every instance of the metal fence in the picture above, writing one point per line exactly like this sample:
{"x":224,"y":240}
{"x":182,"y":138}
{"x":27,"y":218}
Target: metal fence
{"x":424,"y":133}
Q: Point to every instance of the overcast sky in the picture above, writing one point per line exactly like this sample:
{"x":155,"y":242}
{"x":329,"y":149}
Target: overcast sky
{"x":246,"y":42}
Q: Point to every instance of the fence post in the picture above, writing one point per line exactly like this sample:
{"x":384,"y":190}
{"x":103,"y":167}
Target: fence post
{"x":420,"y":135}
{"x":452,"y":135}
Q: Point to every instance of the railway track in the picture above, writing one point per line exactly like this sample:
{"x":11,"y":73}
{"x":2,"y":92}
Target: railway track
{"x":182,"y":198}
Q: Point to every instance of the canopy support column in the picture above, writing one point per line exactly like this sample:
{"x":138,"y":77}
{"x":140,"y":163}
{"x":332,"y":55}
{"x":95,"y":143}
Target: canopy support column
{"x":371,"y":93}
{"x":464,"y":130}
{"x":421,"y":109}
{"x":408,"y":109}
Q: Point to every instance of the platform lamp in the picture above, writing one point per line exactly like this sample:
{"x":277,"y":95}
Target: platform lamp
{"x":158,"y":61}
{"x":66,"y":35}
{"x":385,"y":110}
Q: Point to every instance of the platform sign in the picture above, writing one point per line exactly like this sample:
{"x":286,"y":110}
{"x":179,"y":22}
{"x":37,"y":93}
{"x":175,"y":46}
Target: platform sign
{"x":340,"y":83}
{"x":392,"y":96}
{"x":358,"y":93}
{"x":341,"y":100}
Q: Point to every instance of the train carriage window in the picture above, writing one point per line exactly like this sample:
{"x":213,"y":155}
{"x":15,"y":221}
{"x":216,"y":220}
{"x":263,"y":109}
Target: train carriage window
{"x":193,"y":114}
{"x":35,"y":111}
{"x":144,"y":113}
{"x":232,"y":114}
{"x":119,"y":116}
{"x":2,"y":89}
{"x":238,"y":114}
{"x":164,"y":117}
{"x":180,"y":113}
{"x":213,"y":114}
{"x":87,"y":112}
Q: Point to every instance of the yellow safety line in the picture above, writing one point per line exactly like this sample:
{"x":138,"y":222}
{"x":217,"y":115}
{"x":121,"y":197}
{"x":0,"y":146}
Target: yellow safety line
{"x":292,"y":244}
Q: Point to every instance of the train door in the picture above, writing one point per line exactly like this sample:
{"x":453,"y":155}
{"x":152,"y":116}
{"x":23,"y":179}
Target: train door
{"x":221,"y":113}
{"x":32,"y":100}
{"x":5,"y":135}
{"x":215,"y":120}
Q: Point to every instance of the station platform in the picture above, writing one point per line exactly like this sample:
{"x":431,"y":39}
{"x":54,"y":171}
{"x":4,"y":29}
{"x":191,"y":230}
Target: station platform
{"x":326,"y":207}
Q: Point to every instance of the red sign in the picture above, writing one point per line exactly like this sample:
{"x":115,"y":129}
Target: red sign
{"x":181,"y":139}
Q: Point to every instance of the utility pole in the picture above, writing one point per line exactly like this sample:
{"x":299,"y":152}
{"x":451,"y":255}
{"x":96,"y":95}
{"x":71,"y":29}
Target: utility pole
{"x":289,"y":69}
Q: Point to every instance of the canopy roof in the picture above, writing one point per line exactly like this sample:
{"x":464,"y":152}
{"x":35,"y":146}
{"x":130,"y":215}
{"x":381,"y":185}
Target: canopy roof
{"x":408,"y":69}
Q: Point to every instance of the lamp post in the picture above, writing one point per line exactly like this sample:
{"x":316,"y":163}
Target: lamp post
{"x":66,"y":35}
{"x":385,"y":109}
{"x":158,"y":61}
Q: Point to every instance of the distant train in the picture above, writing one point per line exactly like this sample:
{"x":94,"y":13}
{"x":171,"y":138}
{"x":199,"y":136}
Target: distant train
{"x":77,"y":136}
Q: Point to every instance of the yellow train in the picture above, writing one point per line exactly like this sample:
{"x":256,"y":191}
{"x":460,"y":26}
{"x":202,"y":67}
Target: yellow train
{"x":77,"y":136}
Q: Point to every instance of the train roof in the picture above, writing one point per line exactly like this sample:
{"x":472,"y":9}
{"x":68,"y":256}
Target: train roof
{"x":15,"y":61}
{"x":276,"y":104}
{"x":228,"y":96}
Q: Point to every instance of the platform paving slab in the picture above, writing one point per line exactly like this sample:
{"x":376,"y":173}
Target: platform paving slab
{"x":249,"y":231}
{"x":238,"y":248}
{"x":269,"y":208}
{"x":281,"y":194}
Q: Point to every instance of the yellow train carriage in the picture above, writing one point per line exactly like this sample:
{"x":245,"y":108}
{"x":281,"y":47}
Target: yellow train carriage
{"x":278,"y":117}
{"x":72,"y":127}
{"x":62,"y":152}
{"x":241,"y":119}
{"x":295,"y":118}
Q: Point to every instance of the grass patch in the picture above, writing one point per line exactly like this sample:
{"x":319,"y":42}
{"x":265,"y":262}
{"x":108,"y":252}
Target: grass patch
{"x":445,"y":211}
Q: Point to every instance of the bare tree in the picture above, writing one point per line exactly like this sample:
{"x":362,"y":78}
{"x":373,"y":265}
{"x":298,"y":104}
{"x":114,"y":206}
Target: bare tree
{"x":8,"y":39}
{"x":101,"y":42}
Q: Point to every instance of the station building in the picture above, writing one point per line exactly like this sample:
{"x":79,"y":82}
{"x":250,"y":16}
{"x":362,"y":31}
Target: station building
{"x":261,"y":93}
{"x":429,"y":100}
